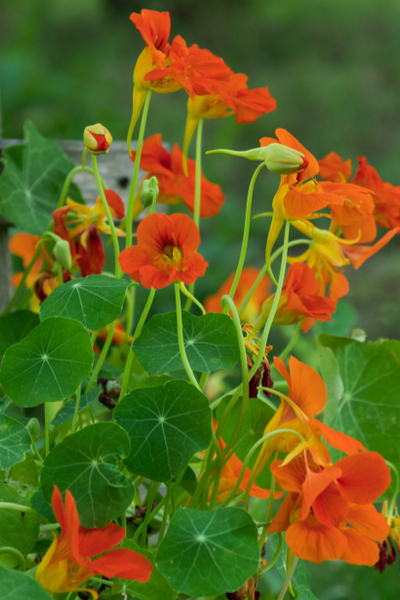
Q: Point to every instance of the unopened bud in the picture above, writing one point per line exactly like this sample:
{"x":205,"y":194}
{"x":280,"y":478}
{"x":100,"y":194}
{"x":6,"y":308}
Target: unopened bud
{"x":62,"y":254}
{"x":149,"y":191}
{"x":278,"y":158}
{"x":33,"y":427}
{"x":97,"y":138}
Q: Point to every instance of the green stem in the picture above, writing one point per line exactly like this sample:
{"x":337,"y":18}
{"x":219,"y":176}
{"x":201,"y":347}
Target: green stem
{"x":396,"y":488}
{"x":47,"y":428}
{"x":136,"y":166}
{"x":246,"y":232}
{"x":49,"y":527}
{"x":59,"y":273}
{"x":118,"y":272}
{"x":203,"y":380}
{"x":292,"y":342}
{"x":153,"y":487}
{"x":197,"y":189}
{"x":102,"y":581}
{"x":273,"y":560}
{"x":269,"y":512}
{"x":68,"y":181}
{"x":21,"y":284}
{"x":35,"y":450}
{"x":138,"y":331}
{"x":185,"y":291}
{"x":77,"y":402}
{"x":181,"y":342}
{"x":165,"y":515}
{"x":17,"y":554}
{"x":102,"y":357}
{"x":288,"y":578}
{"x":16,"y":507}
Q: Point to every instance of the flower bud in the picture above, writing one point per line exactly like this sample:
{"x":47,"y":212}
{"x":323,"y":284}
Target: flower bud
{"x":62,"y":254}
{"x":97,"y":139}
{"x":149,"y":191}
{"x":33,"y":427}
{"x":278,"y":158}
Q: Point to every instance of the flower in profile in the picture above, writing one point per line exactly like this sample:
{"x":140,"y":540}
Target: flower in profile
{"x":328,"y":513}
{"x":174,"y":186}
{"x":165,"y":253}
{"x":302,"y":299}
{"x":246,"y":281}
{"x":69,"y":562}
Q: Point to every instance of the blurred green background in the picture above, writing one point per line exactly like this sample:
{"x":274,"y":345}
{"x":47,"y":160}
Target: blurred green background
{"x":334,"y":68}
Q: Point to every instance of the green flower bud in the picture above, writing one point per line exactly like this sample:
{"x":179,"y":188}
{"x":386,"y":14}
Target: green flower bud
{"x":278,"y":158}
{"x":62,"y":254}
{"x":34,"y":429}
{"x":149,"y":191}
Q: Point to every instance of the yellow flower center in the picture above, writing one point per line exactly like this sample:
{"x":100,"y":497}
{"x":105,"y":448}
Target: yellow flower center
{"x":171,"y":255}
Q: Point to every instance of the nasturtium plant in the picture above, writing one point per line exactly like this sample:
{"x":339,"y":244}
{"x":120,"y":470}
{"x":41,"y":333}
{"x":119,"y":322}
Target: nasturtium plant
{"x":191,"y":453}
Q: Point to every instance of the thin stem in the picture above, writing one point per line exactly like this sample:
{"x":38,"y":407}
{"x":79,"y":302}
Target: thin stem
{"x":77,"y":402}
{"x":165,"y":515}
{"x":59,"y":273}
{"x":246,"y":232}
{"x":68,"y":181}
{"x":17,"y":507}
{"x":138,"y":331}
{"x":102,"y":357}
{"x":47,"y":428}
{"x":288,"y":578}
{"x":49,"y":527}
{"x":185,"y":291}
{"x":17,"y":554}
{"x":203,"y":380}
{"x":21,"y":284}
{"x":396,"y":488}
{"x":118,"y":272}
{"x":197,"y":189}
{"x":136,"y":166}
{"x":35,"y":450}
{"x":273,"y":560}
{"x":102,"y":581}
{"x":181,"y":342}
{"x":292,"y":342}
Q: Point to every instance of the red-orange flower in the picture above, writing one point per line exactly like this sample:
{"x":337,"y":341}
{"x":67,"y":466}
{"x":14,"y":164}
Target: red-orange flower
{"x":247,"y":279}
{"x":174,"y":186}
{"x":328,"y":513}
{"x":67,"y":564}
{"x":302,"y":299}
{"x":166,"y":252}
{"x":24,"y":246}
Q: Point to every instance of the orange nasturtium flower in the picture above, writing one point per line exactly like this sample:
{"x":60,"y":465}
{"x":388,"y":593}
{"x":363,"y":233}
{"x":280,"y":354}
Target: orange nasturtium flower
{"x":68,"y":563}
{"x":247,"y":278}
{"x":166,"y":252}
{"x":24,"y":246}
{"x":174,"y":186}
{"x":328,"y":513}
{"x":302,"y":299}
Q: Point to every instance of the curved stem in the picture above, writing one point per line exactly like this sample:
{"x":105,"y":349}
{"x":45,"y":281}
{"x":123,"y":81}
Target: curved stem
{"x":246,"y":232}
{"x":21,"y":284}
{"x":102,"y":357}
{"x":292,"y":342}
{"x":68,"y":181}
{"x":185,"y":291}
{"x":273,"y":560}
{"x":396,"y":488}
{"x":47,"y":428}
{"x":138,"y":331}
{"x":118,"y":272}
{"x":288,"y":578}
{"x":136,"y":166}
{"x":17,"y":554}
{"x":181,"y":342}
{"x":76,"y":411}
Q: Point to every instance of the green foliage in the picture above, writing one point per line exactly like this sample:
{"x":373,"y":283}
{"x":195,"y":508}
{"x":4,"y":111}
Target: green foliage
{"x":31,"y":183}
{"x":210,"y":343}
{"x":156,"y":588}
{"x":207,"y":553}
{"x":14,"y":327}
{"x":166,"y":425}
{"x":95,"y":301}
{"x":15,"y":441}
{"x":17,"y":586}
{"x":48,"y":364}
{"x":87,"y":464}
{"x":66,"y":413}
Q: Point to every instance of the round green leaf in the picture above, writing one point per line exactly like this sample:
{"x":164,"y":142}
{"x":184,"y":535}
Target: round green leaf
{"x":15,"y":326}
{"x":95,"y":301}
{"x":87,"y":464}
{"x":210,"y":343}
{"x":17,"y":586}
{"x":14,"y":442}
{"x":48,"y":364}
{"x":208,"y":553}
{"x":166,"y":426}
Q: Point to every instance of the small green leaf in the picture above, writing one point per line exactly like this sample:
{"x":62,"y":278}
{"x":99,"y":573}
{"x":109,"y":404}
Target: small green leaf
{"x":210,"y":343}
{"x":15,"y":326}
{"x":30,"y":191}
{"x":208,"y":553}
{"x":49,"y":363}
{"x":95,"y":301}
{"x":15,"y":441}
{"x":156,"y":588}
{"x":87,"y":464}
{"x":17,"y":586}
{"x":66,"y":413}
{"x":166,"y":425}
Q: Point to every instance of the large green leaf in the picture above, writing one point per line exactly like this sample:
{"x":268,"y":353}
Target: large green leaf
{"x":208,"y":553}
{"x":30,"y":191}
{"x":17,"y":586}
{"x":210,"y":343}
{"x":15,"y":326}
{"x":369,"y":408}
{"x":49,"y":363}
{"x":18,"y":529}
{"x":15,"y":441}
{"x":87,"y":464}
{"x":95,"y":301}
{"x":166,"y":426}
{"x":156,"y":588}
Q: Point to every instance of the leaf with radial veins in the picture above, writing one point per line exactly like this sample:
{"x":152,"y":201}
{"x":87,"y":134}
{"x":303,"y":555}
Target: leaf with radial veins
{"x":15,"y":441}
{"x":166,"y":425}
{"x":87,"y":464}
{"x":95,"y":301}
{"x":369,"y":408}
{"x":206,"y":553}
{"x":210,"y":343}
{"x":15,"y":326}
{"x":48,"y":364}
